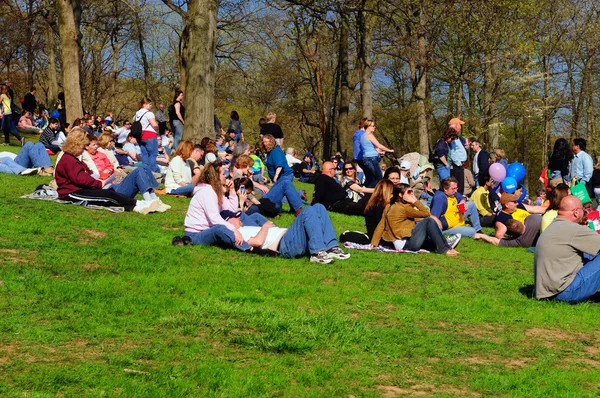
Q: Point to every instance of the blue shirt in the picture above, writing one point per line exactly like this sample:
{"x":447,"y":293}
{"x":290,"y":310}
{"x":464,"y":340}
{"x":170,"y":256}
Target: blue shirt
{"x":368,"y":148}
{"x":275,"y":160}
{"x":358,"y":153}
{"x":582,"y":167}
{"x":458,"y":154}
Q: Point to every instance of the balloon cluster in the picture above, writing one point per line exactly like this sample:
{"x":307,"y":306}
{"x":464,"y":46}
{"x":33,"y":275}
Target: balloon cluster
{"x":509,"y":177}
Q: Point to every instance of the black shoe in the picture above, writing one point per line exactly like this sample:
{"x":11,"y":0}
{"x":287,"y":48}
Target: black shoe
{"x":186,"y":240}
{"x":177,"y":241}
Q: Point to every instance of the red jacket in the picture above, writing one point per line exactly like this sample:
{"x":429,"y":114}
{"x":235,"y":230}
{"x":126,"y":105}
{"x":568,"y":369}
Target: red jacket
{"x":73,"y":175}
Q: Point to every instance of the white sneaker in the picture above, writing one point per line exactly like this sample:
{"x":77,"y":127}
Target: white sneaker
{"x":29,"y":172}
{"x":321,"y":257}
{"x":162,"y":206}
{"x":147,"y":207}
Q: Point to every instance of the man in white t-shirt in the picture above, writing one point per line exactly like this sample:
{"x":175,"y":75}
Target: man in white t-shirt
{"x":133,"y":150}
{"x":122,"y":133}
{"x":310,"y":233}
{"x":290,"y":157}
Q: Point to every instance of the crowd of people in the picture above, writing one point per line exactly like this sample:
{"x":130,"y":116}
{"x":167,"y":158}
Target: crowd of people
{"x":416,"y":203}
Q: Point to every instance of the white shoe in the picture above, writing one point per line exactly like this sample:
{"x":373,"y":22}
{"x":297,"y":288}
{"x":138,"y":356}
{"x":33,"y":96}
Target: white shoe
{"x":162,"y":207}
{"x":29,"y":172}
{"x":147,"y":207}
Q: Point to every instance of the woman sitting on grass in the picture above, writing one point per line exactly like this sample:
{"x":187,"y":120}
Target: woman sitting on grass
{"x":203,"y":221}
{"x":76,"y":184}
{"x":397,"y":227}
{"x":179,"y":179}
{"x":352,"y":184}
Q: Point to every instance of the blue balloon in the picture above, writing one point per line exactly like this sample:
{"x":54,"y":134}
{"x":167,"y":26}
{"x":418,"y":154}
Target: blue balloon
{"x":55,"y":114}
{"x":516,"y":170}
{"x":523,"y":195}
{"x":509,"y":185}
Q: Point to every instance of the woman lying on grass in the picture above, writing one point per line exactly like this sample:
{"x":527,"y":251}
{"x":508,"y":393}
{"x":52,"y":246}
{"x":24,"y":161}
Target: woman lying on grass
{"x":397,"y":227}
{"x":76,"y":184}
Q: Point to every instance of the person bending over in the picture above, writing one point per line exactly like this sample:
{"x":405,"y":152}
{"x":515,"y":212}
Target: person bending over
{"x":397,"y":227}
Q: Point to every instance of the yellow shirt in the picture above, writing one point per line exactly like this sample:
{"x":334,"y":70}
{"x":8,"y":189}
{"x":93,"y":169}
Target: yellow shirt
{"x":454,"y":218}
{"x":5,"y":104}
{"x":520,"y":215}
{"x":481,"y":197}
{"x":547,"y":219}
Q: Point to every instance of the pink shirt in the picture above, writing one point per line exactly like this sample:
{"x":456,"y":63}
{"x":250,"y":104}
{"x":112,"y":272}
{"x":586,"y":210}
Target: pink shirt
{"x":204,"y":211}
{"x":103,"y":164}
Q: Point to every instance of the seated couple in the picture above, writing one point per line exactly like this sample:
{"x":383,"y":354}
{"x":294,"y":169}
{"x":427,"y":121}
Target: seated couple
{"x":76,"y":184}
{"x":335,"y":197}
{"x":406,"y":225}
{"x":311,"y":233}
{"x":31,"y":159}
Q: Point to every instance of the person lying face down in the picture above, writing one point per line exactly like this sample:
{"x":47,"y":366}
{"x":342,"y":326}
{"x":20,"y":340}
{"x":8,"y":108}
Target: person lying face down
{"x":311,"y":233}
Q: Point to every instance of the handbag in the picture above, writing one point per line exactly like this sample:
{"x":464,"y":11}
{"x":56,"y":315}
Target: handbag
{"x":579,"y":190}
{"x":14,"y":108}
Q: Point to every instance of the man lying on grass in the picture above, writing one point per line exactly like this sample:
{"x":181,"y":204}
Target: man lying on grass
{"x":310,"y":233}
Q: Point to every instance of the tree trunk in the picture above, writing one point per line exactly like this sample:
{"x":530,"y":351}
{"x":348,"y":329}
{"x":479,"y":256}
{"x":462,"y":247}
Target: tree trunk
{"x":140,"y":38}
{"x":365,"y":29}
{"x":69,"y":12}
{"x":344,"y":101}
{"x":52,"y":75}
{"x":29,"y":44}
{"x":421,"y":87}
{"x":201,"y":23}
{"x":490,"y":107}
{"x":547,"y":117}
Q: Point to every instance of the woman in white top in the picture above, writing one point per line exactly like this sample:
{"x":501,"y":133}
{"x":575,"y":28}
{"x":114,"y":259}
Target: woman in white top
{"x":8,"y":118}
{"x":149,"y":144}
{"x":179,"y":180}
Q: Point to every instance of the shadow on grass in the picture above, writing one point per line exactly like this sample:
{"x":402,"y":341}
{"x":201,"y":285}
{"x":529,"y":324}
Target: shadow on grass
{"x":529,"y":290}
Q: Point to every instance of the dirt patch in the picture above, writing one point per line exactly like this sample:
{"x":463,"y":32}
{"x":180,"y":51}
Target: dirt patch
{"x":95,"y":234}
{"x":329,"y":281}
{"x":421,"y":390}
{"x":90,"y":267}
{"x":165,"y":228}
{"x":10,"y":251}
{"x":494,"y":359}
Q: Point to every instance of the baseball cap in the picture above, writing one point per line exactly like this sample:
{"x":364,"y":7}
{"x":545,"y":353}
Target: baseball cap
{"x":405,"y":165}
{"x":455,"y":121}
{"x":227,"y":214}
{"x":309,"y":155}
{"x":508,"y":197}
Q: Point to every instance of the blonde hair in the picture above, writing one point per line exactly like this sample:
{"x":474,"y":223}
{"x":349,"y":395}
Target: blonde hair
{"x":221,"y":154}
{"x":185,"y":149}
{"x":500,"y":153}
{"x":144,"y":101}
{"x":75,"y":142}
{"x":367,"y":123}
{"x":271,"y":115}
{"x":243,"y":161}
{"x":105,"y":140}
{"x":272,"y":143}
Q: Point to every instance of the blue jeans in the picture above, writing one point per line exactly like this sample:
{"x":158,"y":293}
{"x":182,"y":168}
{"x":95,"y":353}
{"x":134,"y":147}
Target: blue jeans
{"x":33,"y":155}
{"x":473,"y":216}
{"x":372,"y":171}
{"x":443,"y":172}
{"x":311,"y":232}
{"x":149,"y":153}
{"x":177,"y":127}
{"x":427,"y":235}
{"x":218,"y":235}
{"x":9,"y":126}
{"x":586,"y":282}
{"x":185,"y":190}
{"x":284,"y":188}
{"x":139,"y":180}
{"x":9,"y":166}
{"x":253,"y":220}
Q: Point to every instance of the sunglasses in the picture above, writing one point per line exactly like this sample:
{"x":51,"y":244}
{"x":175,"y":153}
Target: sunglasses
{"x":348,"y":168}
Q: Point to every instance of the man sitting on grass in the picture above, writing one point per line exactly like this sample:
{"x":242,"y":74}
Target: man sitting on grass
{"x":567,"y":265}
{"x":445,"y":210}
{"x":333,"y":196}
{"x":481,"y":198}
{"x":311,"y":233}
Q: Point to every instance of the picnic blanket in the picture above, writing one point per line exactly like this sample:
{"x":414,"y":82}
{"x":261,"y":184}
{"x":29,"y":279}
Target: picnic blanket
{"x":46,"y":192}
{"x":351,"y":245}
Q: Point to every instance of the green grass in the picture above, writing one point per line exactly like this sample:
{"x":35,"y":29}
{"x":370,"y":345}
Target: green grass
{"x":87,"y":294}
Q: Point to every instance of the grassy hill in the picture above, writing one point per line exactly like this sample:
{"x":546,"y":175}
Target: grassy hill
{"x":94,"y":303}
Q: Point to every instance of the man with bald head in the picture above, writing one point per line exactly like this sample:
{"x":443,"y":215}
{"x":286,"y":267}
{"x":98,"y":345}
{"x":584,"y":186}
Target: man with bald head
{"x":567,"y":265}
{"x":333,"y":196}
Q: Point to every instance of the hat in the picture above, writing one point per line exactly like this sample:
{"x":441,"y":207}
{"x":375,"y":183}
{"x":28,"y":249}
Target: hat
{"x":309,"y":155}
{"x":227,"y":214}
{"x":405,"y":165}
{"x":508,"y":197}
{"x":455,"y":121}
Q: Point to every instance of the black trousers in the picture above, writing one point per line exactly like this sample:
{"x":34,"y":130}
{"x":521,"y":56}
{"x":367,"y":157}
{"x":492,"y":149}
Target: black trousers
{"x":102,"y":197}
{"x":458,"y":172}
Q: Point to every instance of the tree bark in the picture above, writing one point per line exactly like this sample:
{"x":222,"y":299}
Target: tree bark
{"x":51,"y":68}
{"x":421,"y":86}
{"x":344,"y":101}
{"x":365,"y":30}
{"x":69,"y":13}
{"x":490,"y":106}
{"x":201,"y":24}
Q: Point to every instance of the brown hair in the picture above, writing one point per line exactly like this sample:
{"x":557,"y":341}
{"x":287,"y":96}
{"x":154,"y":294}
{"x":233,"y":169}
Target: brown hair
{"x":144,"y":101}
{"x":557,"y":194}
{"x":243,"y":161}
{"x":211,"y":146}
{"x":449,"y":133}
{"x":185,"y":149}
{"x":361,"y":123}
{"x":447,"y":181}
{"x":382,"y":194}
{"x":271,"y":142}
{"x":514,"y":227}
{"x":76,"y":140}
{"x":210,"y":176}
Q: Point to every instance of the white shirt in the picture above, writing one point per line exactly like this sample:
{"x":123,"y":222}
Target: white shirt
{"x":122,"y":133}
{"x":273,"y":235}
{"x":475,"y":165}
{"x":144,"y":117}
{"x":291,"y":160}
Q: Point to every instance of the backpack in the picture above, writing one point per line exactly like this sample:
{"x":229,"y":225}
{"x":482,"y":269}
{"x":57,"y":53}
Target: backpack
{"x":136,"y":129}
